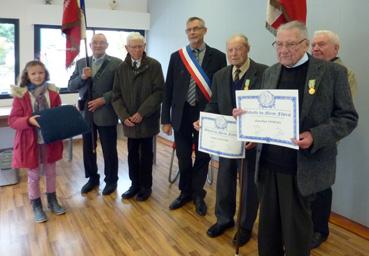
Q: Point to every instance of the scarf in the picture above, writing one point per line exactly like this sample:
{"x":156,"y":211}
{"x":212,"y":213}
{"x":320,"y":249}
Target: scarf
{"x":38,"y":92}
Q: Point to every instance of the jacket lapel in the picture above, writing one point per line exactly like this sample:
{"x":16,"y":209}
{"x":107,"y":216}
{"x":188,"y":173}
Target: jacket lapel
{"x":272,"y":80}
{"x":227,"y":89}
{"x":312,"y":83}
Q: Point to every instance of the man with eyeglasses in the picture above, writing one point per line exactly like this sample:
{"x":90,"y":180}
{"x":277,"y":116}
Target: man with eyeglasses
{"x":98,"y":109}
{"x":187,"y":90}
{"x":137,"y":95}
{"x":288,"y":179}
{"x":325,"y":45}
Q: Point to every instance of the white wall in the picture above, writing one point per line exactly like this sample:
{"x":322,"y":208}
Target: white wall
{"x":224,"y":18}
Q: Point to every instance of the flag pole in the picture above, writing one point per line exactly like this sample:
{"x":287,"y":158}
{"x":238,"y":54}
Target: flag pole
{"x":89,"y":81}
{"x":242,"y":181}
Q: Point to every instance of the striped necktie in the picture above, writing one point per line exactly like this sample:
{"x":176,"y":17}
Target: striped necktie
{"x":191,"y":94}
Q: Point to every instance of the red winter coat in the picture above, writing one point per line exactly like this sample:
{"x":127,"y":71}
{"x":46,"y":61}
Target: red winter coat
{"x":25,"y":149}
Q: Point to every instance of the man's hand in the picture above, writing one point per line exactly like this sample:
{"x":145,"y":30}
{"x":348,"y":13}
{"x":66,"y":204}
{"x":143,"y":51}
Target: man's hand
{"x":86,"y":73}
{"x":33,"y":121}
{"x":128,"y":123}
{"x":136,"y":118}
{"x":250,"y":145}
{"x":196,"y":125}
{"x":237,"y":112}
{"x":167,"y":129}
{"x":95,"y":104}
{"x":305,"y":141}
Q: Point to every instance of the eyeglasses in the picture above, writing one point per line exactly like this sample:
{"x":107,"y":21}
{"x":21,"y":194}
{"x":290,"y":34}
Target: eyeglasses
{"x":288,"y":45}
{"x":136,"y":46}
{"x":194,"y":29}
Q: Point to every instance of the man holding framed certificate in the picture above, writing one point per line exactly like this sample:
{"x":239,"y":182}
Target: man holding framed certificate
{"x":242,"y":74}
{"x":288,"y":179}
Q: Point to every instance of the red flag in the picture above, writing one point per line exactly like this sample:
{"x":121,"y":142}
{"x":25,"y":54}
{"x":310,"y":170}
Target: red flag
{"x":71,"y":27}
{"x":283,"y":11}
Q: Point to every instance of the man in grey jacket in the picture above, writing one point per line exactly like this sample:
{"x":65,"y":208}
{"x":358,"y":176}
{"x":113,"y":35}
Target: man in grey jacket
{"x":325,"y":45}
{"x":137,"y":95}
{"x":97,"y":109}
{"x":288,"y":179}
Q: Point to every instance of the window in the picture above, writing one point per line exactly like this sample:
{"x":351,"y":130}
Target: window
{"x":50,"y":49}
{"x":9,"y":54}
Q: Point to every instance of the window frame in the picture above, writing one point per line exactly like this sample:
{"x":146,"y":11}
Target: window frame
{"x":37,"y":40}
{"x":16,"y":50}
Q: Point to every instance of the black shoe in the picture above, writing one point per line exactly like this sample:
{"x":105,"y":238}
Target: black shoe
{"x":90,"y":185}
{"x":109,"y":188}
{"x":131,"y":192}
{"x":143,"y":195}
{"x":180,"y":201}
{"x":317,"y":240}
{"x":200,"y":205}
{"x":243,"y":238}
{"x":218,"y":229}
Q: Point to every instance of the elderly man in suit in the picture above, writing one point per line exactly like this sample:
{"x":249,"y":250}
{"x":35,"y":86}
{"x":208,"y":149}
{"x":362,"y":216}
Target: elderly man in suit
{"x":242,"y":74}
{"x":287,"y":179}
{"x":99,"y":112}
{"x":187,"y":90}
{"x":325,"y":45}
{"x":137,"y":94}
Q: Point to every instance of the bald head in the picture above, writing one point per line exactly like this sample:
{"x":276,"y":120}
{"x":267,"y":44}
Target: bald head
{"x":98,"y":45}
{"x":237,"y":50}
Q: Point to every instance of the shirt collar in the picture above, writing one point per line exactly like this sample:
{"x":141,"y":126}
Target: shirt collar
{"x":201,"y":48}
{"x":303,"y":60}
{"x":98,"y":59}
{"x":245,"y":66}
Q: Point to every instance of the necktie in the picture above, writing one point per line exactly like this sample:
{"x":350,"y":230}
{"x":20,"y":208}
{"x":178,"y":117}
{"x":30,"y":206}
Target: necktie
{"x":237,"y":75}
{"x":135,"y":66}
{"x":191,"y":94}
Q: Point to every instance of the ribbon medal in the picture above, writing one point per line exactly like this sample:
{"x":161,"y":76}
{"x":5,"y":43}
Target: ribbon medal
{"x":247,"y":84}
{"x":312,"y":86}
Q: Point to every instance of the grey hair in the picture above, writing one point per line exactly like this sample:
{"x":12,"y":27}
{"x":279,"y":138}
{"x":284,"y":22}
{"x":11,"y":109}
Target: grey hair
{"x":295,"y":25}
{"x":241,"y":36}
{"x":135,"y":36}
{"x":333,"y":37}
{"x":202,"y":22}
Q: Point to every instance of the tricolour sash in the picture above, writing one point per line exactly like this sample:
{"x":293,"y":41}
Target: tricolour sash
{"x":196,"y":71}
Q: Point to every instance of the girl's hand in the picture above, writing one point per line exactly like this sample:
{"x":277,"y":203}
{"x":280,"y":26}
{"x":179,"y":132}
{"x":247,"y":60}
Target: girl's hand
{"x":33,"y":121}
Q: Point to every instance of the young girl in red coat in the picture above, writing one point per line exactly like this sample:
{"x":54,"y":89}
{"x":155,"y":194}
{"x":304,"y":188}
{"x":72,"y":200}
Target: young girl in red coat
{"x":32,"y":95}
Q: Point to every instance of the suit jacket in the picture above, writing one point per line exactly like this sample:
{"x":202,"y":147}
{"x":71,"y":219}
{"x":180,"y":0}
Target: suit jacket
{"x":329,"y":115}
{"x":177,"y":83}
{"x":102,"y":85}
{"x":221,"y":100}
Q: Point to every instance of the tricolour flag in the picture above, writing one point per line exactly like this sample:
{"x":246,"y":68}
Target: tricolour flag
{"x":283,"y":11}
{"x":73,"y":26}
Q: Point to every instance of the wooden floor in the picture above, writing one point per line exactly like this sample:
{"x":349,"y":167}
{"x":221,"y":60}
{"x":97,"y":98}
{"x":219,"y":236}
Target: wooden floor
{"x":106,"y":225}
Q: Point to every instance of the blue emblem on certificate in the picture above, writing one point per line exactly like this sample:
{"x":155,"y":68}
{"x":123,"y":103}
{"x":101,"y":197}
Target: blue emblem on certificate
{"x":266,"y":99}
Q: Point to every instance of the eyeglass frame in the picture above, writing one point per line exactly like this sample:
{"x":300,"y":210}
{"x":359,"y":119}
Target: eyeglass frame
{"x":288,"y":46}
{"x":194,"y":29}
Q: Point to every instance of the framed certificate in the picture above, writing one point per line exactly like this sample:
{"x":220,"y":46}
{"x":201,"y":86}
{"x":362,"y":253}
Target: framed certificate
{"x":272,"y":116}
{"x":218,"y":136}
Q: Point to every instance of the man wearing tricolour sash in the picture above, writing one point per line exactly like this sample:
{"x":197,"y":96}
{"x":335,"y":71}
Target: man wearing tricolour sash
{"x":187,"y":91}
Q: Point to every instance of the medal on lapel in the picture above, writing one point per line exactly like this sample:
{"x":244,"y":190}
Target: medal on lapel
{"x":312,"y":86}
{"x":247,"y":84}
